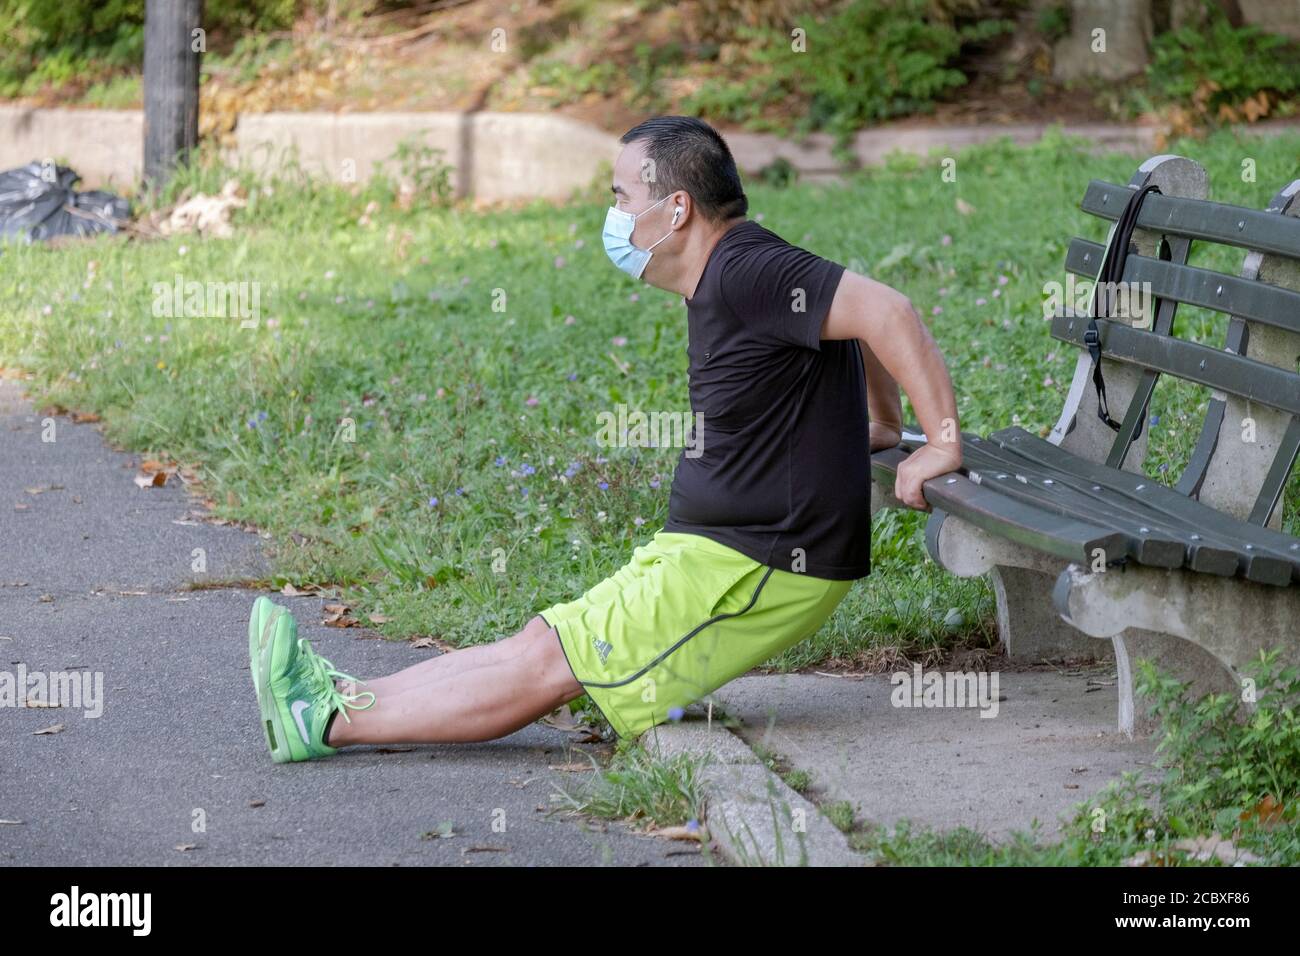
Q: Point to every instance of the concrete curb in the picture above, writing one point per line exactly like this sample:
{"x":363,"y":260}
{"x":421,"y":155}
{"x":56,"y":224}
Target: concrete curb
{"x":753,"y":816}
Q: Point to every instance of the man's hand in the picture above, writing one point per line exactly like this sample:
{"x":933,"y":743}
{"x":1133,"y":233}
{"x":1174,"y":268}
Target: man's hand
{"x":925,"y":463}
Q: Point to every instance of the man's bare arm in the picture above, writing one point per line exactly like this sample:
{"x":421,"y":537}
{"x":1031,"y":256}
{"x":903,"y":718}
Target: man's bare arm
{"x":884,"y":404}
{"x":893,"y":335}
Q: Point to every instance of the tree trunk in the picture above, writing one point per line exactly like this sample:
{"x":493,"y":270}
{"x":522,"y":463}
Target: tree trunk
{"x":1108,"y":40}
{"x":173,"y":44}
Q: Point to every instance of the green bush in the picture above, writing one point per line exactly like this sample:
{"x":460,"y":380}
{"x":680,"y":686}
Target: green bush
{"x":871,"y":61}
{"x":1228,"y":772}
{"x":1241,"y":61}
{"x":53,"y":43}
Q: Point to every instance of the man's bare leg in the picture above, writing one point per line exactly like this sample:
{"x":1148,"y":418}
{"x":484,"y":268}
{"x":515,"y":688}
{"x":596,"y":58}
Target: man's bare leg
{"x":438,"y":667}
{"x":524,"y":678}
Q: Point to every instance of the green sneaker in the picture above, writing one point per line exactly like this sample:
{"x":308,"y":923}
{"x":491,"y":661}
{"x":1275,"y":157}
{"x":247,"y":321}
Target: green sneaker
{"x":297,"y":693}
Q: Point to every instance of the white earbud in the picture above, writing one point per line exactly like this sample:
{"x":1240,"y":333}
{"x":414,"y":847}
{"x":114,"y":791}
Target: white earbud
{"x":677,"y":213}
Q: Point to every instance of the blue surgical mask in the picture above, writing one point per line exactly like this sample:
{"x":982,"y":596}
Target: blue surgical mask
{"x":618,"y":240}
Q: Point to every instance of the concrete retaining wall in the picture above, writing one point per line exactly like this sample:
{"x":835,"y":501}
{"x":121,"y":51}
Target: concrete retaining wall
{"x":105,"y":146}
{"x":495,"y":156}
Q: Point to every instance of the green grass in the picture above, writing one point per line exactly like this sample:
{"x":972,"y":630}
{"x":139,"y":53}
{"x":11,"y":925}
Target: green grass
{"x":475,"y":492}
{"x":641,"y":787}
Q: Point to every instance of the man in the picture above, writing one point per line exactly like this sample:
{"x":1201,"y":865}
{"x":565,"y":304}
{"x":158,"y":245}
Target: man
{"x":766,"y":529}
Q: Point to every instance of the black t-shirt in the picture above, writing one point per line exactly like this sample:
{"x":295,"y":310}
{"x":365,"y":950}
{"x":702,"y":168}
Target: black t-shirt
{"x":781,"y":470}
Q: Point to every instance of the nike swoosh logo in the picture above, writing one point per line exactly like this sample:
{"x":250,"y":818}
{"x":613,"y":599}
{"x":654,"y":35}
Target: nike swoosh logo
{"x":298,"y":707}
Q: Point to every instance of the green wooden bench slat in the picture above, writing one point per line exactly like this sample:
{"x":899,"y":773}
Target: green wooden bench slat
{"x":1257,"y":381}
{"x":1189,"y":482}
{"x":1247,"y":298}
{"x":1083,"y":257}
{"x":1199,"y":219}
{"x":1070,"y":539}
{"x":1211,"y":550}
{"x":1164,"y":543}
{"x":1262,"y":541}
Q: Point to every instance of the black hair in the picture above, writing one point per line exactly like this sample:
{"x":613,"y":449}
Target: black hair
{"x":690,"y":155}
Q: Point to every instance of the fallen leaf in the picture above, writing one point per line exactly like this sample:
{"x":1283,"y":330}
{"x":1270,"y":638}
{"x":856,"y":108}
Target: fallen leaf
{"x":183,"y":847}
{"x":155,"y":480}
{"x":1268,"y":811}
{"x":964,"y":207}
{"x":11,"y":823}
{"x":378,"y":618}
{"x":445,"y":646}
{"x":679,"y":833}
{"x":336,"y":615}
{"x":40,"y":490}
{"x":571,"y":767}
{"x":445,"y":831}
{"x":257,"y":803}
{"x":84,"y":418}
{"x":52,"y":729}
{"x":562,"y":719}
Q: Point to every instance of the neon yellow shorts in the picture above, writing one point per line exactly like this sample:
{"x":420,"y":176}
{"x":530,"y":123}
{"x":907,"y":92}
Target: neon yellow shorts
{"x":682,"y":618}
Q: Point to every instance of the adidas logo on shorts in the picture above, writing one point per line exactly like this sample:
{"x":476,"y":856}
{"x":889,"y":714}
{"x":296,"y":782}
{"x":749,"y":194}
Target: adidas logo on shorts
{"x":602,"y":648}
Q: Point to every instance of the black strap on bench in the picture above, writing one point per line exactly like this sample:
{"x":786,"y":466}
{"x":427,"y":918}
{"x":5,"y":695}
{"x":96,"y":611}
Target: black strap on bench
{"x":1110,"y":273}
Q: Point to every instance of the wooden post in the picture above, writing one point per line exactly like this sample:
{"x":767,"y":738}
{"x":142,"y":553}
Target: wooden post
{"x":171,"y":85}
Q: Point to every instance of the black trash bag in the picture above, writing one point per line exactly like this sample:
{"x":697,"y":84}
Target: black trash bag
{"x":37,"y":201}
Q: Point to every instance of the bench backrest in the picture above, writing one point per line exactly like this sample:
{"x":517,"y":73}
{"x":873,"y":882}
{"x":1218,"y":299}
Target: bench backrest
{"x":1250,"y":437}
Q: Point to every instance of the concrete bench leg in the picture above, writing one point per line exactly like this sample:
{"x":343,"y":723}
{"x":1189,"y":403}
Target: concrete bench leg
{"x":1200,"y":628}
{"x":1173,"y":655}
{"x":1028,"y":623}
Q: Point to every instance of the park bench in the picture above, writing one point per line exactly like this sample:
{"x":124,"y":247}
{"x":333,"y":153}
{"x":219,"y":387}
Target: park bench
{"x":1080,"y":544}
